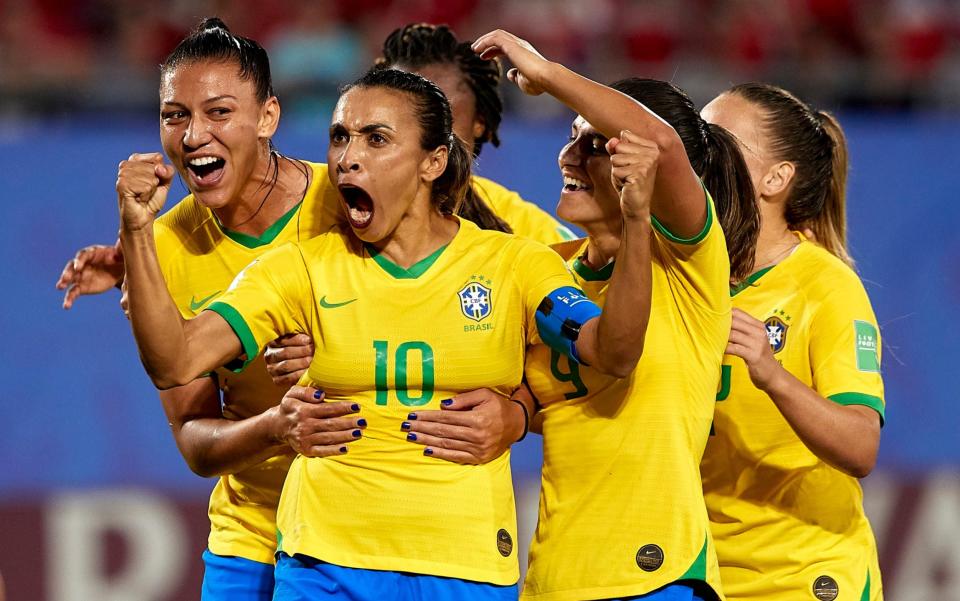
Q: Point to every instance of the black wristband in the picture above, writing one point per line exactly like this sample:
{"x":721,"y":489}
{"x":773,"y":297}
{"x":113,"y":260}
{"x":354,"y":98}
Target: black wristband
{"x":526,"y":419}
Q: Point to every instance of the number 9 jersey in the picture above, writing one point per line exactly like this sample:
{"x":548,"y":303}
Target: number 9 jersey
{"x":397,"y":340}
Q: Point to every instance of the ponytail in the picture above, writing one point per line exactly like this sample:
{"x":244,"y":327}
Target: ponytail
{"x":814,"y":142}
{"x":830,"y":226}
{"x":726,"y":175}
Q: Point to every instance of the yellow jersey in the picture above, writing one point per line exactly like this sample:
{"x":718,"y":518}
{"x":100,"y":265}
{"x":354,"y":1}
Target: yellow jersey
{"x":525,"y":218}
{"x":621,"y":505}
{"x":199,"y":259}
{"x":397,"y":340}
{"x":786,"y":524}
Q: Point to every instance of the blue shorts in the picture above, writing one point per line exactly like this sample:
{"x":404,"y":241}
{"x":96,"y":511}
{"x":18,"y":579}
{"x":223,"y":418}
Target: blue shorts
{"x":671,"y":592}
{"x":235,"y":579}
{"x":302,"y":578}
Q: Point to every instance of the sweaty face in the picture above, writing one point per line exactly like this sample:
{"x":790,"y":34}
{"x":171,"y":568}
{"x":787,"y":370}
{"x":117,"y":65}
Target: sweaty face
{"x":588,"y":195}
{"x":209,"y":120}
{"x":744,"y":120}
{"x":463,"y":103}
{"x":375,"y":159}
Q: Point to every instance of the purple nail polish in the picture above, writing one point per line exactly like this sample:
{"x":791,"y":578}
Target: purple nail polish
{"x":405,"y":426}
{"x":411,"y":437}
{"x":362,"y":423}
{"x":356,"y":433}
{"x":428,"y":451}
{"x":412,"y":416}
{"x":446,"y":402}
{"x":355,"y":407}
{"x":343,"y":449}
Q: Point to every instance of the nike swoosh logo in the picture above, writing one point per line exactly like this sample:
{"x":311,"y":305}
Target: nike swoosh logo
{"x":196,"y":304}
{"x":326,"y":305}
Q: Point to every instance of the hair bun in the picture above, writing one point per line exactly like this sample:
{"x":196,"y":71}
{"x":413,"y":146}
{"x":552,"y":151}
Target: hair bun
{"x":213,"y":23}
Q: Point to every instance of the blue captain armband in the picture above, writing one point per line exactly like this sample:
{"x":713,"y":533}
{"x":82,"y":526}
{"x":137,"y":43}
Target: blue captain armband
{"x":560,"y":316}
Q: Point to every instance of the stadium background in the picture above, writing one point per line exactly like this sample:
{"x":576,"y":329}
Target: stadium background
{"x":95,"y":501}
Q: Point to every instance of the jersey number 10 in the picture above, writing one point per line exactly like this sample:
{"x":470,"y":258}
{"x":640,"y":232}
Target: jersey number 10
{"x":400,"y":362}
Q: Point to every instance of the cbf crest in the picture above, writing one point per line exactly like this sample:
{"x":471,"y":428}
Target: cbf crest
{"x":475,"y":298}
{"x":776,"y":332}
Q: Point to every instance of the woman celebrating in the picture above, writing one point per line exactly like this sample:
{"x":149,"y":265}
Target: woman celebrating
{"x":801,"y":398}
{"x":471,"y":84}
{"x":383,"y":517}
{"x":622,"y":512}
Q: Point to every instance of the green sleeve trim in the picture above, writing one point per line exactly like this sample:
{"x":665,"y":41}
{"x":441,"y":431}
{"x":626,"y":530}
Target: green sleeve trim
{"x":696,"y":239}
{"x":865,"y":595}
{"x":269,"y":235}
{"x":698,"y":570}
{"x":242,"y":330}
{"x":858,"y":398}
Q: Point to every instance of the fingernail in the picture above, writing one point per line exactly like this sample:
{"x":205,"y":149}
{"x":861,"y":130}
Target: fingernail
{"x":412,"y":416}
{"x":318,"y":394}
{"x":356,"y":433}
{"x":405,"y":426}
{"x":355,"y":407}
{"x":411,"y":436}
{"x":362,"y":423}
{"x":446,"y":402}
{"x":343,"y":449}
{"x":428,"y":451}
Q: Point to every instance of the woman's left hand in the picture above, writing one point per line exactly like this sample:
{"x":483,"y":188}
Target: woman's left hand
{"x":473,"y":428}
{"x":749,"y":341}
{"x":529,"y":66}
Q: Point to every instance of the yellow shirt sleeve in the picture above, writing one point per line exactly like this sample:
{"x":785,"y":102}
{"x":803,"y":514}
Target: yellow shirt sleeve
{"x":845,"y":348}
{"x":539,"y":271}
{"x":270,"y":297}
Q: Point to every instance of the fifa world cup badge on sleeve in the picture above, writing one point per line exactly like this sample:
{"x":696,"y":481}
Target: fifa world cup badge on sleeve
{"x":867,"y":358}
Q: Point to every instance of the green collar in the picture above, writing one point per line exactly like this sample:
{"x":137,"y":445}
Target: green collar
{"x":591,"y":275}
{"x":750,"y":281}
{"x":405,"y":273}
{"x":268,"y":236}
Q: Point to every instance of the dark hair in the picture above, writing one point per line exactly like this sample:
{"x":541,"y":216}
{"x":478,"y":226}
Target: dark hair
{"x":716,"y":158}
{"x":452,"y":192}
{"x":814,"y":142}
{"x":212,"y":40}
{"x":418,"y":45}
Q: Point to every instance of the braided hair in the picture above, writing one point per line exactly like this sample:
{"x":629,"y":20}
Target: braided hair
{"x":418,"y":45}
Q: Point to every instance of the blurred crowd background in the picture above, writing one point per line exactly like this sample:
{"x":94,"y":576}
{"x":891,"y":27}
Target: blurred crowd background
{"x":73,"y":55}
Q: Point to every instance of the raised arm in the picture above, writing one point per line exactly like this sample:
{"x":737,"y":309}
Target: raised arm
{"x":678,"y":201}
{"x":613,"y":342}
{"x":174,"y":351}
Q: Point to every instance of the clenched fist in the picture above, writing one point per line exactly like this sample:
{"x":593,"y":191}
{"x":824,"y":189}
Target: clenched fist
{"x":143,"y":182}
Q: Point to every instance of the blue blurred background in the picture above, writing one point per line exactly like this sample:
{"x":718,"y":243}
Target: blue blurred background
{"x":83,"y":433}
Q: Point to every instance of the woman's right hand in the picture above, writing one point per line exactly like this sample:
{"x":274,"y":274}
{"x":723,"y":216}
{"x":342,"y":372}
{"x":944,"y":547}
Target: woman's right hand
{"x":93,"y":270}
{"x":143,"y":182}
{"x":529,"y":66}
{"x":313,"y":427}
{"x":288,"y":357}
{"x":633,"y":169}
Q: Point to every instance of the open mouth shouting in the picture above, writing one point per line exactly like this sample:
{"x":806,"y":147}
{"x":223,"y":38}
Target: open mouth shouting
{"x":205,"y":171}
{"x":359,"y":205}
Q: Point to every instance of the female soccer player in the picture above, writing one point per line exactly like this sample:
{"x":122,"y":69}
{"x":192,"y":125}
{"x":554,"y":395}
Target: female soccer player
{"x":218,"y":114}
{"x":801,"y":399}
{"x":382,"y":519}
{"x":471,"y":84}
{"x":622,"y":511}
